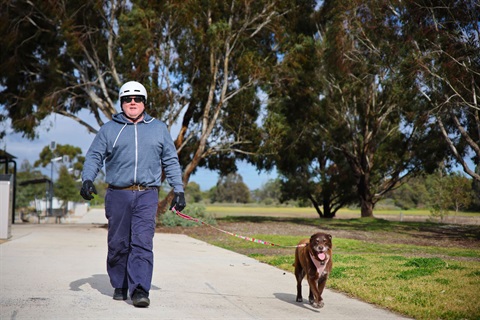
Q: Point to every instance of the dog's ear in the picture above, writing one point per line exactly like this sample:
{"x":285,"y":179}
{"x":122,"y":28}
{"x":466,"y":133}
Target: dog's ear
{"x":329,"y":236}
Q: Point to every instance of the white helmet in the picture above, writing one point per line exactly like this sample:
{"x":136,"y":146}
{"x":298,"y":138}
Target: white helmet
{"x":133,"y":88}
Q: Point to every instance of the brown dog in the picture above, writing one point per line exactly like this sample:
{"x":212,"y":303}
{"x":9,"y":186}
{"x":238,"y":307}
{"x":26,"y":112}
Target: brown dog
{"x":313,"y":258}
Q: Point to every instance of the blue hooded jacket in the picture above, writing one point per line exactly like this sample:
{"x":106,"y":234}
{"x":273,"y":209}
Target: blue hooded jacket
{"x":134,"y":153}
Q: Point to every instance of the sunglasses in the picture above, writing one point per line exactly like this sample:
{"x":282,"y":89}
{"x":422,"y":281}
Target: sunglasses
{"x":137,"y":99}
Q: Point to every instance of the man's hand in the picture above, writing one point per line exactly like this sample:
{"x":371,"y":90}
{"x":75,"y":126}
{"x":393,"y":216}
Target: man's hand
{"x":87,"y":189}
{"x":178,"y":201}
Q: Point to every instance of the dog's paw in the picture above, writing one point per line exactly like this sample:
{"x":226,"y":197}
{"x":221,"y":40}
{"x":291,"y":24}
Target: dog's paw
{"x":299,"y":299}
{"x":318,"y":305}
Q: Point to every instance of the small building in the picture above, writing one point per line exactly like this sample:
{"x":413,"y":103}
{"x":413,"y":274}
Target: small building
{"x":10,"y":167}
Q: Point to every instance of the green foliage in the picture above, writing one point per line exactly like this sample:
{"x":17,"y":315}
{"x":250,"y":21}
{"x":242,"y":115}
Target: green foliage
{"x":232,"y":189}
{"x":170,"y":219}
{"x":460,"y":190}
{"x":350,"y":86}
{"x":355,"y":128}
{"x":269,"y":193}
{"x":44,"y":46}
{"x":308,"y":167}
{"x":441,"y":192}
{"x":201,"y":62}
{"x":448,"y":192}
{"x":68,"y":152}
{"x":193,"y":193}
{"x":442,"y":79}
{"x":27,"y":193}
{"x":66,"y":188}
{"x":412,"y":194}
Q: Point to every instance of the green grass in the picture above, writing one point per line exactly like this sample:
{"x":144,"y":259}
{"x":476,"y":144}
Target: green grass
{"x":350,"y":246}
{"x":422,"y":288}
{"x":422,"y":282}
{"x":418,"y":287}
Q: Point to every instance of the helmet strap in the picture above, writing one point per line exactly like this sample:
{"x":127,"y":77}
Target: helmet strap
{"x":134,"y":119}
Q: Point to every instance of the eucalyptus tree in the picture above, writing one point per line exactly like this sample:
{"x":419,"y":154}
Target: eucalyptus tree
{"x":309,"y":168}
{"x":58,"y":57}
{"x":295,"y":143}
{"x":201,"y":61}
{"x":71,"y":156}
{"x":372,"y":116}
{"x":66,"y":188}
{"x":231,"y":188}
{"x":447,"y":48}
{"x":215,"y":55}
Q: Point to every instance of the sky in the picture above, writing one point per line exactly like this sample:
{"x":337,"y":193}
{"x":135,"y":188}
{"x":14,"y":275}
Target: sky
{"x":63,"y":131}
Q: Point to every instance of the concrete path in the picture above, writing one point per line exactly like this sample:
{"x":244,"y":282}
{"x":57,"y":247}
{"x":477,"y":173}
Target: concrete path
{"x":50,"y":271}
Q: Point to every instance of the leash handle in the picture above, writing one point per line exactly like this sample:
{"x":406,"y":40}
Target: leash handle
{"x":187,"y":217}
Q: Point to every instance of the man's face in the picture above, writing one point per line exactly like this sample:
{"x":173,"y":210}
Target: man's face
{"x":133,"y":106}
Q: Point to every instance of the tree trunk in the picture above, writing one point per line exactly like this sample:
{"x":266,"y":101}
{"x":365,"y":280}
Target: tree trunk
{"x":328,"y":213}
{"x":366,"y":199}
{"x":316,"y":206}
{"x":367,"y":209}
{"x":327,"y":209}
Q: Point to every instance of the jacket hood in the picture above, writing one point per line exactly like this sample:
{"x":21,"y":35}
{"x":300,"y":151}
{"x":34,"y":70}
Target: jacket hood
{"x":121,"y":118}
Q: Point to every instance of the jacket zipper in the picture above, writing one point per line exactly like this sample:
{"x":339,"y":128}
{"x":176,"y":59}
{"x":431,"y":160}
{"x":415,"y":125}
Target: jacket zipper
{"x":136,"y":156}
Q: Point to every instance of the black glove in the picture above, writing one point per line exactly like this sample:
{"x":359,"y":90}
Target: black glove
{"x":87,"y":189}
{"x":178,"y":201}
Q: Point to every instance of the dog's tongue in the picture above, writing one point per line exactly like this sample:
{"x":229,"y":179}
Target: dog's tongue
{"x":321,"y":256}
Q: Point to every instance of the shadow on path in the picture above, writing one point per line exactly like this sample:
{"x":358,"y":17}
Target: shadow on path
{"x":99,"y":282}
{"x":291,"y":299}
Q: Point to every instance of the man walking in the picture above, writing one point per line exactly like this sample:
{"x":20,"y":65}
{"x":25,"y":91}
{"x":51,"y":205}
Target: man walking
{"x":135,"y":149}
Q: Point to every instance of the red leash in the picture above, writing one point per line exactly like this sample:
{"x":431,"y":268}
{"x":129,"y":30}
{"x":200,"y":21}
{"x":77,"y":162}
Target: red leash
{"x":187,"y":217}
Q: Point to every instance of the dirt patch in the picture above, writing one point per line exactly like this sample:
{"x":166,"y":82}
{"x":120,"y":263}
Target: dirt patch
{"x":440,"y":235}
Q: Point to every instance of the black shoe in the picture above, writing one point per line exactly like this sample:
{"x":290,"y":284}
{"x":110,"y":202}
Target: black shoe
{"x":140,"y":298}
{"x":120,"y":294}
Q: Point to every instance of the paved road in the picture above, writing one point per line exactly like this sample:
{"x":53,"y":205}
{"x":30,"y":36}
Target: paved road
{"x":50,"y":271}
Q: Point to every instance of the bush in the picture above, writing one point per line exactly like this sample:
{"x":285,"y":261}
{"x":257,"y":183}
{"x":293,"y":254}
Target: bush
{"x":170,"y":219}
